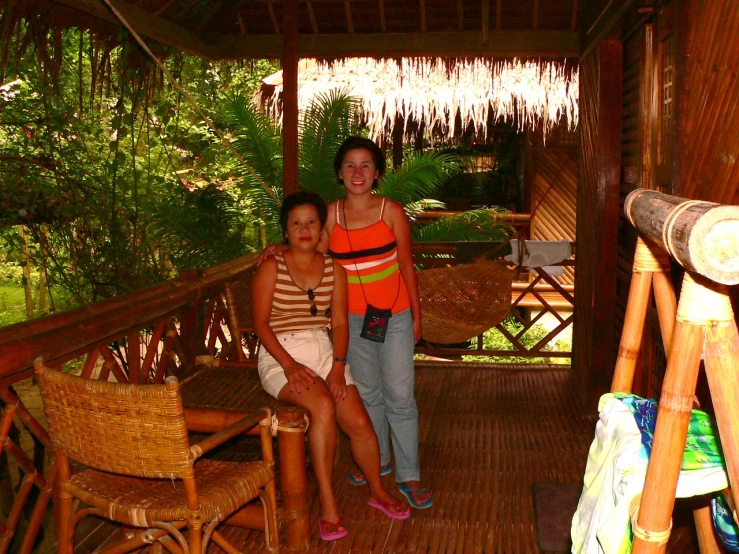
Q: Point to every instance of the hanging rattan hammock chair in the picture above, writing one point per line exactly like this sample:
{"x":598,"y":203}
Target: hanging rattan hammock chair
{"x":462,"y":301}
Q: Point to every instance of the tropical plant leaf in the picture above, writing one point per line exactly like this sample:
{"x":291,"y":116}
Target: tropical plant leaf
{"x":257,"y":140}
{"x":203,"y":227}
{"x":330,"y":118}
{"x":473,"y":225}
{"x":419,"y":177}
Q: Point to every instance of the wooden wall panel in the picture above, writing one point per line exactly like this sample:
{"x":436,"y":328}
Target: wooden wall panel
{"x":554,"y":192}
{"x":707,"y":146}
{"x":594,"y":334}
{"x":582,"y":339}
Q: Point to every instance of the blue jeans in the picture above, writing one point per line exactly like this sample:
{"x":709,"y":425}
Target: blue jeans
{"x":385,"y":379}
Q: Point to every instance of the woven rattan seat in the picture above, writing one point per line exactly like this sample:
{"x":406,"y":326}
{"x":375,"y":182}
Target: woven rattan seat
{"x":142,"y":470}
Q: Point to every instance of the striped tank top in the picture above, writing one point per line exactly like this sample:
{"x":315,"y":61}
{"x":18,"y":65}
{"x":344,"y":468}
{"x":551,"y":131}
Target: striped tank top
{"x":370,"y":257}
{"x":292,"y":307}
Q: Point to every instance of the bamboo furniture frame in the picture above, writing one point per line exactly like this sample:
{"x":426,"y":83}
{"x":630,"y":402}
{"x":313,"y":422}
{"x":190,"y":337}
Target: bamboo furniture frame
{"x":697,"y":234}
{"x":142,"y":471}
{"x":238,"y":303}
{"x":220,"y":393}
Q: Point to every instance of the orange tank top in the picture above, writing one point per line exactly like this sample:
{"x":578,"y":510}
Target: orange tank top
{"x":370,"y":257}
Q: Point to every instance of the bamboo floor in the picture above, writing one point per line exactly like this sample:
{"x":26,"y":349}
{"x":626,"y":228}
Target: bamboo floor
{"x":488,"y":433}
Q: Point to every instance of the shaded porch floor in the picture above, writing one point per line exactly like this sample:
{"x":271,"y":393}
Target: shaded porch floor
{"x":488,"y":434}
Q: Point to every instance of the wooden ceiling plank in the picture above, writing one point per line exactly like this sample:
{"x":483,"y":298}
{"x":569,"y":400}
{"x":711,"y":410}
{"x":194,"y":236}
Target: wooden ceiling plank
{"x":535,"y":19}
{"x":485,"y":20}
{"x":348,"y":12}
{"x":273,"y":17}
{"x":226,"y":12}
{"x":312,"y":16}
{"x":498,"y":9}
{"x":383,"y":23}
{"x":504,"y":44}
{"x":146,"y":24}
{"x":460,"y":15}
{"x":422,"y":6}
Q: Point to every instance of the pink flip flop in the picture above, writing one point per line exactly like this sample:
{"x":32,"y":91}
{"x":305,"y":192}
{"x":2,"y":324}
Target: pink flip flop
{"x":339,"y":533}
{"x":385,"y":508}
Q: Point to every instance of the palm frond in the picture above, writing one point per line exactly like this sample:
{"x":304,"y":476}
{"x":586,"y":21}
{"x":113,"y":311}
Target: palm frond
{"x":419,"y":177}
{"x":199,"y":229}
{"x":330,"y":118}
{"x":473,"y":225}
{"x":257,"y":140}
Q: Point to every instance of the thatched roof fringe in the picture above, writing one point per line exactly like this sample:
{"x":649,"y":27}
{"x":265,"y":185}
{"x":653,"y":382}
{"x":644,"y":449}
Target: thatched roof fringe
{"x":435,"y":92}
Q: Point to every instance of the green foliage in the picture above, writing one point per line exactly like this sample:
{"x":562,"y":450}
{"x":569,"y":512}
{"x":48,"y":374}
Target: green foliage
{"x":493,"y":339}
{"x":12,"y":305}
{"x":94,"y":161}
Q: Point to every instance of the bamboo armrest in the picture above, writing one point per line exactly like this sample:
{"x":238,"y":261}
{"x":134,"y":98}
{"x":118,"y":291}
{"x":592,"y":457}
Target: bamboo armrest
{"x":236,"y":428}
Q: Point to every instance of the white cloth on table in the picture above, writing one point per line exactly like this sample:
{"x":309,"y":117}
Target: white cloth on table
{"x":614,"y":474}
{"x":541,"y":253}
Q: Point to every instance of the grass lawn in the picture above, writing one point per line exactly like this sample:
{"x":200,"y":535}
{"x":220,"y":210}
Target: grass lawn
{"x":12,"y":305}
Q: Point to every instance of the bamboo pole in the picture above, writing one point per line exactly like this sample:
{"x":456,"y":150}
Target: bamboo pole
{"x":722,"y":370}
{"x":294,"y":485}
{"x":648,"y":263}
{"x":675,"y":406}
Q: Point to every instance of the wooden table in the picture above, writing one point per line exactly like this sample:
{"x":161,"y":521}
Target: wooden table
{"x":216,"y":395}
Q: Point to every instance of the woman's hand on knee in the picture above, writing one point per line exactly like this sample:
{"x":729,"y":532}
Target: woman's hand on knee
{"x":337,"y":383}
{"x":299,"y":378}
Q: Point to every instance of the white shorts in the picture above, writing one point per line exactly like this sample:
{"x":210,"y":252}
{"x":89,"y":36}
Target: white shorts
{"x":312,"y":348}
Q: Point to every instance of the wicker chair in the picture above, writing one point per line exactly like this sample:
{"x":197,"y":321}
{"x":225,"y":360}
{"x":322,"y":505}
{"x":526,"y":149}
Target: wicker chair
{"x":238,"y":303}
{"x":141,"y":467}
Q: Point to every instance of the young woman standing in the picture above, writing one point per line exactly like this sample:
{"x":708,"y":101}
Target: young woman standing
{"x":370,"y":237}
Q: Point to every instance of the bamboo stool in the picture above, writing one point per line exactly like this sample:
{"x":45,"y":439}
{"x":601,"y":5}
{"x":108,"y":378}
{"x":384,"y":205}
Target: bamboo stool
{"x":701,"y":236}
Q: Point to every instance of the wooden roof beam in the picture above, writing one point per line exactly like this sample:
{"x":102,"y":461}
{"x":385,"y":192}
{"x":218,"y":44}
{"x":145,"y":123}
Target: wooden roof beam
{"x":383,"y":23}
{"x":213,"y":26}
{"x":498,"y":9}
{"x":460,"y":15}
{"x":500,"y":44}
{"x":273,"y":17}
{"x":312,"y":17}
{"x":422,"y":7}
{"x":574,"y":15}
{"x":535,"y":22}
{"x":146,"y":24}
{"x":485,"y":21}
{"x":603,"y":24}
{"x":348,"y":12}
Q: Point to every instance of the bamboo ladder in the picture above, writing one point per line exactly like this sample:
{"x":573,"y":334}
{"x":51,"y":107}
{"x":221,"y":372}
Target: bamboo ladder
{"x":704,"y":238}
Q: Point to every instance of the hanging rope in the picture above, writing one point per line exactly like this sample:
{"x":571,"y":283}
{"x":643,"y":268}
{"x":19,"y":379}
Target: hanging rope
{"x":191,"y":101}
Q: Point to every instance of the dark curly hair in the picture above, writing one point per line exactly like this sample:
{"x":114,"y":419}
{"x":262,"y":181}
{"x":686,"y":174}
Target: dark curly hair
{"x":355,"y":143}
{"x":301,"y":198}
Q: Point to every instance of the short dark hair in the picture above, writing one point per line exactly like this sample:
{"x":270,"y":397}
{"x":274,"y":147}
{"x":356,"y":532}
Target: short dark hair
{"x":355,"y":143}
{"x":301,"y":198}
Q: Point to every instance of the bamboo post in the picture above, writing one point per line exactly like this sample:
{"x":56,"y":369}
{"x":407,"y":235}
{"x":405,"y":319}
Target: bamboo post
{"x":649,"y":261}
{"x":294,"y":482}
{"x":722,"y":370}
{"x":652,"y":524}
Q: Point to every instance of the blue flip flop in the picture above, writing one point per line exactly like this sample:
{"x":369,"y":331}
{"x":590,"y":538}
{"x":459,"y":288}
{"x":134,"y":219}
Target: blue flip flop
{"x":384,"y":470}
{"x":407,"y":492}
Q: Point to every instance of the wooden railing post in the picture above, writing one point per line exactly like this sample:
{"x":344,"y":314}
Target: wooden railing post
{"x":191,"y":324}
